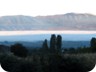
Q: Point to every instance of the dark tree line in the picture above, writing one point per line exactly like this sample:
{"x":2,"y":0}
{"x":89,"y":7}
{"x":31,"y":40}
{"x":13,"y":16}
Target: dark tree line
{"x":55,"y":47}
{"x":55,"y":44}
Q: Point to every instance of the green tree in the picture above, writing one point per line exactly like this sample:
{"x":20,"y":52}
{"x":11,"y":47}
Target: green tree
{"x":45,"y":46}
{"x":93,"y":44}
{"x":19,"y":50}
{"x":53,"y":43}
{"x":59,"y":43}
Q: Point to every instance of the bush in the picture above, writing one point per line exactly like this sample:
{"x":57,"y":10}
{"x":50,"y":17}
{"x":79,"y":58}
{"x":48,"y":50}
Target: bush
{"x":19,"y":50}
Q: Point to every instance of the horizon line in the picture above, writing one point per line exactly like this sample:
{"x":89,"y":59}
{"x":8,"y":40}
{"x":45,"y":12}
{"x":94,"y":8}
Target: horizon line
{"x":8,"y":33}
{"x":48,"y":14}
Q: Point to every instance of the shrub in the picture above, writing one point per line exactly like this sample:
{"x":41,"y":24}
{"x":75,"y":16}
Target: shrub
{"x":19,"y":50}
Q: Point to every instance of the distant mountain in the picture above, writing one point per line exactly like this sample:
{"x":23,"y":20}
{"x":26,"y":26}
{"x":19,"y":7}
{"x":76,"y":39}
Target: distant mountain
{"x":38,"y":44}
{"x":69,"y":21}
{"x":42,"y":37}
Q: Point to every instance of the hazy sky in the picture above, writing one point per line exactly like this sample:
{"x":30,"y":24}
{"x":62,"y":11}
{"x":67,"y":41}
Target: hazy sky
{"x":2,"y":33}
{"x":46,"y":7}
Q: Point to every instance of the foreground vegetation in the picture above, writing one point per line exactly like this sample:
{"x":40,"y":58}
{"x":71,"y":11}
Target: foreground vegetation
{"x":49,"y":63}
{"x":49,"y":59}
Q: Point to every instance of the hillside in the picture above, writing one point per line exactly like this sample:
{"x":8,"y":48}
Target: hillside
{"x":69,"y":21}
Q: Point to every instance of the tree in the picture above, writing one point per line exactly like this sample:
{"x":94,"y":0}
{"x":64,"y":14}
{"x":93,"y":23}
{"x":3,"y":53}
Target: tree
{"x":19,"y":50}
{"x":93,"y":44}
{"x":59,"y":43}
{"x":53,"y":43}
{"x":45,"y":46}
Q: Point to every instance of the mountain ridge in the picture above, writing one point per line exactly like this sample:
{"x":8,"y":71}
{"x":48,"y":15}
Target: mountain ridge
{"x":69,"y":21}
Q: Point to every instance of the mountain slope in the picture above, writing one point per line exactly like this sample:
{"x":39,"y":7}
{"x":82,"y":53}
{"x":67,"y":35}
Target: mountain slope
{"x":69,"y":21}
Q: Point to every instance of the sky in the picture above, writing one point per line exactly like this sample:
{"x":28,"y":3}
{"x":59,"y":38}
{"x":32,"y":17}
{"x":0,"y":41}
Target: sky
{"x":46,"y":7}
